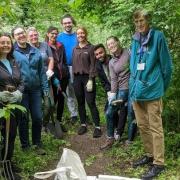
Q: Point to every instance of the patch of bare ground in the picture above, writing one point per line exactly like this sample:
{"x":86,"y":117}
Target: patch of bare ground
{"x":88,"y":149}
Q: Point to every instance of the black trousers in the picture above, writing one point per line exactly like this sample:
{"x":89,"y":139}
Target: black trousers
{"x":81,"y":93}
{"x":12,"y":134}
{"x":59,"y":98}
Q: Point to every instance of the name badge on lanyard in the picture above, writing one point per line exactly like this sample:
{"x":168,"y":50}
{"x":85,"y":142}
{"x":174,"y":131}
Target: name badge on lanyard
{"x":140,"y":66}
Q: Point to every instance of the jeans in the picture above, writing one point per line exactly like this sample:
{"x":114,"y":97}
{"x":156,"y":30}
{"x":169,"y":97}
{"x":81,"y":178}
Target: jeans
{"x":32,"y":101}
{"x":111,"y":110}
{"x":81,"y":93}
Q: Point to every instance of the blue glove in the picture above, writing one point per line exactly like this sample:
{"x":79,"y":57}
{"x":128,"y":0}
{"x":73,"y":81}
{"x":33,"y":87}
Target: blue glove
{"x":56,"y":82}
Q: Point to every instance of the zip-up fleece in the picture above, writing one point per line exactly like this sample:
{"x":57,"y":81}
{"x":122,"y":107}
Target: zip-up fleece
{"x":32,"y":68}
{"x":152,"y":82}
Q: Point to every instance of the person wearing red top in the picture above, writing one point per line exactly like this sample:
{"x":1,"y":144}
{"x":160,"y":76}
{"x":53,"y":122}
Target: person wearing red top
{"x":61,"y":71}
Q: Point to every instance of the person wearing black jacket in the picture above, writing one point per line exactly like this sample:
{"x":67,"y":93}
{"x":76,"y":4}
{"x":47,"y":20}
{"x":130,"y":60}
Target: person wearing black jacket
{"x":102,"y":67}
{"x":11,"y":88}
{"x":61,"y":71}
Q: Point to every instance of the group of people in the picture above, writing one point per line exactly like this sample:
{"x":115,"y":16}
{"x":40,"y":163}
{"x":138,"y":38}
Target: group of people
{"x":66,"y":65}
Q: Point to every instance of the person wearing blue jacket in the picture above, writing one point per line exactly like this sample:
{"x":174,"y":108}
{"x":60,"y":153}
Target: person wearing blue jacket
{"x":150,"y":68}
{"x":32,"y":69}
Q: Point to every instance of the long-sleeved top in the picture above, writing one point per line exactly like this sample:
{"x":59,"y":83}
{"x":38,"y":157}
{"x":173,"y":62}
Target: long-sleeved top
{"x":84,"y":60}
{"x":152,"y":81}
{"x":119,"y":71}
{"x":31,"y":67}
{"x":103,"y":73}
{"x":61,"y":70}
{"x":7,"y":79}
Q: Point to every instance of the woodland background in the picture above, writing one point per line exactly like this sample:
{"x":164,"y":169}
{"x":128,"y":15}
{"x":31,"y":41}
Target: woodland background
{"x":102,"y":19}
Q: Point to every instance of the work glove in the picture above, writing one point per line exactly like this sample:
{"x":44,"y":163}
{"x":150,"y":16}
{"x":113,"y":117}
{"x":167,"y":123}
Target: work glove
{"x":16,"y":97}
{"x":49,"y":73}
{"x":111,"y":97}
{"x":108,"y":93}
{"x":5,"y":96}
{"x":89,"y":85}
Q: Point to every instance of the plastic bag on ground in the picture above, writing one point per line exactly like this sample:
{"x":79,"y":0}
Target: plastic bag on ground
{"x":69,"y":167}
{"x":70,"y":158}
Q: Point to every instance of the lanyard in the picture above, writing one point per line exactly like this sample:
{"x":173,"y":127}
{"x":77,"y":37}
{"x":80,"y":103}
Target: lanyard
{"x":141,"y":52}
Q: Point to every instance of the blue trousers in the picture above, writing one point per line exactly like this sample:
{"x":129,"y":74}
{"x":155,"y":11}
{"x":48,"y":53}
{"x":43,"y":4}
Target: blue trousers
{"x":126,"y":112}
{"x":32,"y":101}
{"x":111,"y":110}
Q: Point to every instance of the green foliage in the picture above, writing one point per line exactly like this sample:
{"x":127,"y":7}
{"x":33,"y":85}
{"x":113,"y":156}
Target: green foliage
{"x":90,"y":160}
{"x":116,"y":17}
{"x":5,"y":112}
{"x":30,"y":162}
{"x":102,"y":19}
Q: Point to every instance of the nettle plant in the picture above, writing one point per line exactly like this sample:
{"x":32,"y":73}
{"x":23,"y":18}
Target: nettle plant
{"x":5,"y":113}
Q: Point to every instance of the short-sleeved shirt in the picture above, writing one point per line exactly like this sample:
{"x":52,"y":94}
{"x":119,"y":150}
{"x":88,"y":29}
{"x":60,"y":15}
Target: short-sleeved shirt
{"x":45,"y":53}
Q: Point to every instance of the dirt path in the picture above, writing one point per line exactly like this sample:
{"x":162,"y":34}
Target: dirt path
{"x":88,"y":149}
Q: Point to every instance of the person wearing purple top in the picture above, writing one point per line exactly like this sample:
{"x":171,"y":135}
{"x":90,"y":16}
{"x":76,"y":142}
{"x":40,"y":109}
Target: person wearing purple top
{"x":119,"y":74}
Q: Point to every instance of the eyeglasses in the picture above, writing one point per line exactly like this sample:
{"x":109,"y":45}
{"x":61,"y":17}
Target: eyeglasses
{"x":19,"y":33}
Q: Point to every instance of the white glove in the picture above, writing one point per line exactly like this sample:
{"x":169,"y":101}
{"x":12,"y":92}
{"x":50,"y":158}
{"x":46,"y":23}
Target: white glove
{"x":16,"y":97}
{"x":49,"y":73}
{"x":89,"y":86}
{"x":108,"y":93}
{"x":111,"y":97}
{"x":5,"y":95}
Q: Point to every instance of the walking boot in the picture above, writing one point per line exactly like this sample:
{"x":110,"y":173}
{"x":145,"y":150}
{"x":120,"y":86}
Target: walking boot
{"x":153,"y":171}
{"x":108,"y":144}
{"x":97,"y":133}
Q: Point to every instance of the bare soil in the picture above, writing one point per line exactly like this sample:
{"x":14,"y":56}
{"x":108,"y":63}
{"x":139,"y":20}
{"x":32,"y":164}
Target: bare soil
{"x":88,"y":148}
{"x":94,"y":160}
